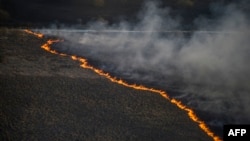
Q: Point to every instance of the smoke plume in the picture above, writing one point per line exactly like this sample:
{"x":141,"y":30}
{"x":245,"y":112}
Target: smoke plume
{"x":207,"y":68}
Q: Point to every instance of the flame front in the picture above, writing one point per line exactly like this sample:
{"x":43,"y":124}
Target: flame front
{"x":46,"y":47}
{"x":39,"y":35}
{"x":85,"y":65}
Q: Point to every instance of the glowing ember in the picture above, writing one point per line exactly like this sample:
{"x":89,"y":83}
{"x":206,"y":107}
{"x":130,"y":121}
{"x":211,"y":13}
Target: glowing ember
{"x":85,"y":64}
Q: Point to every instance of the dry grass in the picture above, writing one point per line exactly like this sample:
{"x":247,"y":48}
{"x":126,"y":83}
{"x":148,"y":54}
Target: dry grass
{"x":47,"y":97}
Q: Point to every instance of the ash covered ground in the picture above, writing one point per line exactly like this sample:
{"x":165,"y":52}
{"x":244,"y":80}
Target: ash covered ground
{"x":206,"y":68}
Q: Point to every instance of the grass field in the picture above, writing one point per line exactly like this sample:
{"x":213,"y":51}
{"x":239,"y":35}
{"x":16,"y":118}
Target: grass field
{"x":49,"y":97}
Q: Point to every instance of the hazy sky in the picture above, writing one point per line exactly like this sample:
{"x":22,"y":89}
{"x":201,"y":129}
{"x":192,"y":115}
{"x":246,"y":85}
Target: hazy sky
{"x":73,"y":11}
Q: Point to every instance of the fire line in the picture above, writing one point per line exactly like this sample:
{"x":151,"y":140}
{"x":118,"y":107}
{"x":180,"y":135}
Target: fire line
{"x":191,"y":114}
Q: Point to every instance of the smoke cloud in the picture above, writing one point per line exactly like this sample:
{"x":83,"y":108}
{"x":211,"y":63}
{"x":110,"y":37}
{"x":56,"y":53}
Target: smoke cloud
{"x":207,"y":68}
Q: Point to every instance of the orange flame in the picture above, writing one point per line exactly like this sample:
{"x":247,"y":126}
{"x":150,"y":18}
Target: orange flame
{"x":100,"y":72}
{"x":39,"y":35}
{"x":46,"y":47}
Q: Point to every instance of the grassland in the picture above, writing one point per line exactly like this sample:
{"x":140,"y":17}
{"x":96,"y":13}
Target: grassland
{"x":49,"y":97}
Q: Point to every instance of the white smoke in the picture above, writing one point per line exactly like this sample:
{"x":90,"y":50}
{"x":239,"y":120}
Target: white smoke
{"x":211,"y":67}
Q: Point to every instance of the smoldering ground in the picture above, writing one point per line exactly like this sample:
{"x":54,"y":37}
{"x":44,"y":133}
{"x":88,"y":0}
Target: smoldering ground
{"x":208,"y":70}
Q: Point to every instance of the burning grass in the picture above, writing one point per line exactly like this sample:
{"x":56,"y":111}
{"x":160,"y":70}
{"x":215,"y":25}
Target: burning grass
{"x":192,"y":115}
{"x":50,"y":104}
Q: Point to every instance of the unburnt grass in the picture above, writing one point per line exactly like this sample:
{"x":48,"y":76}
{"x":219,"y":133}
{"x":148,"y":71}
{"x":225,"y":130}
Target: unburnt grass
{"x":49,"y":97}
